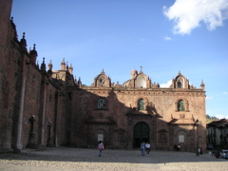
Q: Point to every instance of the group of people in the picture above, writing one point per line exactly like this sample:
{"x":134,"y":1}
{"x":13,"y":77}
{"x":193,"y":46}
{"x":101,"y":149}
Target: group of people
{"x":145,"y":148}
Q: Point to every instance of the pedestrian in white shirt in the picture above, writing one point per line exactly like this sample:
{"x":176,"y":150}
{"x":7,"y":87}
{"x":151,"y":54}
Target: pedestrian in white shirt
{"x":147,"y":148}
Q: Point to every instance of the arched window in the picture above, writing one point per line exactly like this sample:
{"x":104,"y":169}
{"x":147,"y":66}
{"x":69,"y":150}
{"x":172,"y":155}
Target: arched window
{"x":141,"y":104}
{"x":101,"y":104}
{"x":180,"y":105}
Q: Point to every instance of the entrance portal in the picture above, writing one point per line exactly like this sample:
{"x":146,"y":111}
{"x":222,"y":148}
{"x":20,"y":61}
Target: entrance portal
{"x":141,"y":133}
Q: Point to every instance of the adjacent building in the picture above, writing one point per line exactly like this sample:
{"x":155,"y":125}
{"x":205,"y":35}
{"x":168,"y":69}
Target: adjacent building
{"x":217,"y":134}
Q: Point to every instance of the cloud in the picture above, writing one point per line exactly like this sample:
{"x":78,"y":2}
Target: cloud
{"x":226,"y":93}
{"x":188,"y":14}
{"x":167,"y":38}
{"x":166,"y":85}
{"x":221,"y":116}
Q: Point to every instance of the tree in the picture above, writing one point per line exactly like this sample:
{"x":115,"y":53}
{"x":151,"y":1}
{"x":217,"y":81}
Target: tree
{"x":211,"y":118}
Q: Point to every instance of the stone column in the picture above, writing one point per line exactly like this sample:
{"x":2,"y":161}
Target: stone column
{"x":19,"y":144}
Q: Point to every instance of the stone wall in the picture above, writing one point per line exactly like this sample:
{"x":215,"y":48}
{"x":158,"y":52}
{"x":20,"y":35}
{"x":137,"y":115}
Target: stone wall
{"x":119,"y":117}
{"x":7,"y":75}
{"x":33,"y":105}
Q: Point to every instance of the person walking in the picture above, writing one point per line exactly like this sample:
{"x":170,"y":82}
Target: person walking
{"x":147,"y":148}
{"x":142,"y":147}
{"x":100,"y":148}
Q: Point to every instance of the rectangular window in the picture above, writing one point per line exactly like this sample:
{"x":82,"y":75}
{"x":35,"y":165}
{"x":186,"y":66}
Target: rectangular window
{"x":181,"y":138}
{"x":100,"y":137}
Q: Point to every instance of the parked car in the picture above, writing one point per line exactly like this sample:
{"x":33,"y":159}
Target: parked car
{"x":224,"y":153}
{"x":226,"y":157}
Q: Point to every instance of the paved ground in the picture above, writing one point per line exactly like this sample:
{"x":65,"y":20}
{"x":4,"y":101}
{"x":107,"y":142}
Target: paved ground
{"x":77,"y":159}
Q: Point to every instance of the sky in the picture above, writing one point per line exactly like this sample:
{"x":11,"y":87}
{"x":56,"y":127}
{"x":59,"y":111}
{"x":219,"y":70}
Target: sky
{"x":163,"y":36}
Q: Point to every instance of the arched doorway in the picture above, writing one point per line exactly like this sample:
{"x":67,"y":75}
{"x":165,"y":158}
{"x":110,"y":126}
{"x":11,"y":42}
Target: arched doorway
{"x":141,"y":133}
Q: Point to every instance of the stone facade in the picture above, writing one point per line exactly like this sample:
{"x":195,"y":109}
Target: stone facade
{"x":40,"y":107}
{"x":124,"y":115}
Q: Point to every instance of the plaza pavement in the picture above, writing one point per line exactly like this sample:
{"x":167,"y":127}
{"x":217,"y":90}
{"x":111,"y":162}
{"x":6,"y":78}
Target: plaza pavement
{"x":79,"y":159}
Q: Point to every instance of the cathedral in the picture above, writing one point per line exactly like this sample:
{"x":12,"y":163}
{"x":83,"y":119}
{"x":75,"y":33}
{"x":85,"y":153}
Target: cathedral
{"x":41,"y":107}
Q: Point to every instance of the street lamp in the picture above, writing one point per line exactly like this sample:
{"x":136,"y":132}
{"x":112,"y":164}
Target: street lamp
{"x":197,"y":138}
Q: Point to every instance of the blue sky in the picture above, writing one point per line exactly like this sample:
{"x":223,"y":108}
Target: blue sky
{"x":162,"y":36}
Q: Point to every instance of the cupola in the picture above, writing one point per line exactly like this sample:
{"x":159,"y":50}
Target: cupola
{"x":102,"y":80}
{"x":180,"y":82}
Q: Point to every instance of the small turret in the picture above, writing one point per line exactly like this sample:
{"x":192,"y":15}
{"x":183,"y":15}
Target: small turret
{"x":23,"y":43}
{"x":33,"y":54}
{"x":50,"y":67}
{"x":70,"y":69}
{"x":79,"y":83}
{"x":202,"y":85}
{"x":43,"y":66}
{"x":63,"y":64}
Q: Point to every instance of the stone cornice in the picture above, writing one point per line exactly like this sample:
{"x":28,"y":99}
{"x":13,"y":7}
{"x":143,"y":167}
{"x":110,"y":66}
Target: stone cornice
{"x":148,"y":92}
